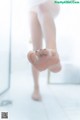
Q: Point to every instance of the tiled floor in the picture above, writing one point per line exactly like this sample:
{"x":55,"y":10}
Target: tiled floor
{"x":60,"y":102}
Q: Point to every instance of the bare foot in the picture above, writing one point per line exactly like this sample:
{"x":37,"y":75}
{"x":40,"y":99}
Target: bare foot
{"x":56,"y":67}
{"x":45,"y":58}
{"x":36,"y":95}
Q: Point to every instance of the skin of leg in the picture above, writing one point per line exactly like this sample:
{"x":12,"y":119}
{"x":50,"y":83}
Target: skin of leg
{"x":36,"y":36}
{"x":48,"y":25}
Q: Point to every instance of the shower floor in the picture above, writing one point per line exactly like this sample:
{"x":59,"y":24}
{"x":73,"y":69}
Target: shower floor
{"x":60,"y":102}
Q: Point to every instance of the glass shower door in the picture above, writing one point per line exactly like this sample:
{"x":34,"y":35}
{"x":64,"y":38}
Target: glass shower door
{"x":4,"y":45}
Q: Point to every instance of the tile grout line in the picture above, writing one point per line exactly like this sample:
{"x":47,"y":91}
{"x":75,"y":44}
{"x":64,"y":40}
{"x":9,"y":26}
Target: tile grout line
{"x":60,"y":104}
{"x":45,"y":110}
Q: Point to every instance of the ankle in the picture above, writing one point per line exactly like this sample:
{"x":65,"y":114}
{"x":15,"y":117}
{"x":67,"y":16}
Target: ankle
{"x":53,"y":52}
{"x":36,"y":87}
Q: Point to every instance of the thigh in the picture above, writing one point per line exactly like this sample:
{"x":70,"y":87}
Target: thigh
{"x":50,"y":7}
{"x":33,"y":3}
{"x":45,"y":6}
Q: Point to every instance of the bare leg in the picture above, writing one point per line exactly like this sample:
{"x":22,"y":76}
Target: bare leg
{"x":48,"y":26}
{"x":45,"y":17}
{"x":36,"y":36}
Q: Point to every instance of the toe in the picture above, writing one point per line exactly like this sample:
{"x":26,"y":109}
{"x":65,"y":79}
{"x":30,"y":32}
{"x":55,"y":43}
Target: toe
{"x":45,"y":51}
{"x":37,"y":53}
{"x":41,"y":52}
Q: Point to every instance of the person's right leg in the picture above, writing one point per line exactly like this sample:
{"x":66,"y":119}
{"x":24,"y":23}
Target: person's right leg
{"x":36,"y":36}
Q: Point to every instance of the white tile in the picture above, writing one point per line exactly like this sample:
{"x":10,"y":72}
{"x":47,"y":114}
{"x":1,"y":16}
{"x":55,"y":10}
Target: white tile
{"x":52,"y":107}
{"x":69,"y":99}
{"x":35,"y":110}
{"x":60,"y":102}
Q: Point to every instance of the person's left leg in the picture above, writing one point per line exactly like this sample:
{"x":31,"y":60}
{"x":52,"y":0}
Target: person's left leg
{"x":36,"y":37}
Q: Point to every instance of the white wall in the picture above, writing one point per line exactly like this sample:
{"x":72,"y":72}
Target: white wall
{"x":4,"y":43}
{"x":68,"y":32}
{"x":20,"y":35}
